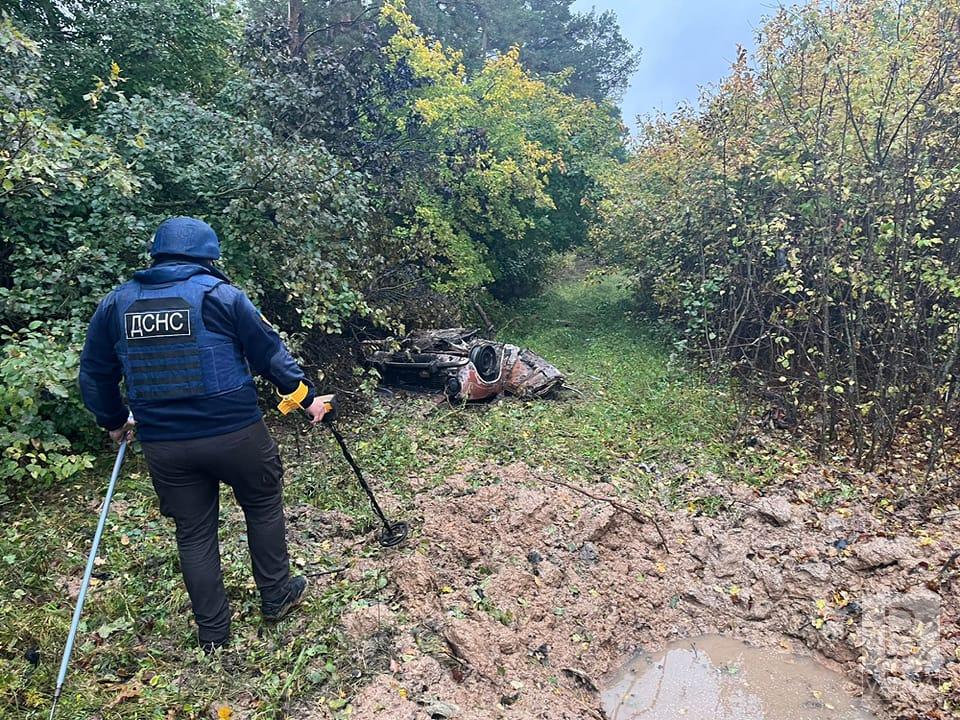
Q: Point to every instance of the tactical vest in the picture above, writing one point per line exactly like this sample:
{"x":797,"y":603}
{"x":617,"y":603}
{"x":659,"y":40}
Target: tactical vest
{"x":166,"y":350}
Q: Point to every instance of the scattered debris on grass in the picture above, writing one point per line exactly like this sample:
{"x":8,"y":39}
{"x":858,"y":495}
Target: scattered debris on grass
{"x":465,"y":366}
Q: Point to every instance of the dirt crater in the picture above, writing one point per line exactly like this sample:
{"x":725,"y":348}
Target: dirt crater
{"x":516,"y":597}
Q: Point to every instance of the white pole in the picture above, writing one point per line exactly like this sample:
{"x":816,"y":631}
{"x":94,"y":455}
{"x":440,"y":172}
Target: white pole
{"x":65,"y":660}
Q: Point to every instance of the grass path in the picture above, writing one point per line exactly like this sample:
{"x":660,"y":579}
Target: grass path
{"x":637,"y":405}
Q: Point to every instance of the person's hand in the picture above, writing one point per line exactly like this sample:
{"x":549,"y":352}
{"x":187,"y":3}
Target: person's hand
{"x":318,"y":408}
{"x":125,"y":432}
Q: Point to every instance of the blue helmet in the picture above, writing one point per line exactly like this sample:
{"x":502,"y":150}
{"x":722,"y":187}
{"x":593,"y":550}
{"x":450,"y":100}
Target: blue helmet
{"x":186,"y":236}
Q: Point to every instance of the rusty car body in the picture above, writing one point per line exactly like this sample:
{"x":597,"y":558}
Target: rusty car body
{"x":463,"y":365}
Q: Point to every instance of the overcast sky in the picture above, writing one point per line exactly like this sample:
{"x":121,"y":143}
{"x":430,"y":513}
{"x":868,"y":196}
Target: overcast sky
{"x":685,"y":44}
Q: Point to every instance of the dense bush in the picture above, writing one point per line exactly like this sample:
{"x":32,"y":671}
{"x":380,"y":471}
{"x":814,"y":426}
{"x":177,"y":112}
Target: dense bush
{"x":57,"y":182}
{"x":804,"y":222}
{"x":358,"y":175}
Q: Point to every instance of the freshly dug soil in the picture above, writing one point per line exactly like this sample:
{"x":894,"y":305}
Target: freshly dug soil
{"x":515,"y":595}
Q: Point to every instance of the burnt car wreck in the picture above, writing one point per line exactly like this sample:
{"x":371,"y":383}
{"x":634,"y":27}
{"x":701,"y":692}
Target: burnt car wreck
{"x":462,"y":365}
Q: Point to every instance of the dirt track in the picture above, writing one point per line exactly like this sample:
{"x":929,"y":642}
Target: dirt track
{"x":515,"y":596}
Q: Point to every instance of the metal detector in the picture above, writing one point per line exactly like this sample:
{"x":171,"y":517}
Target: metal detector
{"x":392,"y":533}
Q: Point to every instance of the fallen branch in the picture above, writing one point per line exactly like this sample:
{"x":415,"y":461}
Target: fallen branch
{"x":616,"y":504}
{"x":483,"y":316}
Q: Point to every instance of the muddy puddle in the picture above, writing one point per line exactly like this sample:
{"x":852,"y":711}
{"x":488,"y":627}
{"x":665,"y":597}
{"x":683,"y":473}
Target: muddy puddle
{"x":717,"y":678}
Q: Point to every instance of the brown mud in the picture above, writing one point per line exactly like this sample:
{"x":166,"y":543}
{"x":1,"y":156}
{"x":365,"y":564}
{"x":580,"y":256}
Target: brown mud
{"x":712,"y":677}
{"x":516,"y":597}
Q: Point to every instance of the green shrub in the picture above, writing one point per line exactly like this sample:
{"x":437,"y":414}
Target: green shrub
{"x":803,"y":224}
{"x":356,"y":185}
{"x":38,"y":410}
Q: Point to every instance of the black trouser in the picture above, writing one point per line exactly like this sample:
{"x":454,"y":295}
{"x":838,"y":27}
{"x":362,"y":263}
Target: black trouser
{"x":186,"y":475}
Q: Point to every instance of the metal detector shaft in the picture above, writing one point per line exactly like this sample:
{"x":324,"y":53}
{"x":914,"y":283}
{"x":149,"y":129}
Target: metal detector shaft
{"x":65,"y":660}
{"x":356,"y":471}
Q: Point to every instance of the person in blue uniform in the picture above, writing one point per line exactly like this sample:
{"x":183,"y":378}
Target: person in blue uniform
{"x":186,"y":343}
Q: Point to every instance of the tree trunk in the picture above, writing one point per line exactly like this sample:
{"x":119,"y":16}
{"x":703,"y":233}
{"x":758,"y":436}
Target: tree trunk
{"x":295,"y":26}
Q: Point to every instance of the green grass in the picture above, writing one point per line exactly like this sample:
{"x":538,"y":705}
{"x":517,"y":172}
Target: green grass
{"x":638,"y":412}
{"x":136,"y":633}
{"x":641,"y":419}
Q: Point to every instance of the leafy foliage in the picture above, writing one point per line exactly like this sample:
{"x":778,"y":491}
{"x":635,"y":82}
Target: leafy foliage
{"x":360,"y":176}
{"x":501,"y":138}
{"x":586,"y":48}
{"x":803,"y":223}
{"x":179,"y":45}
{"x":34,"y":392}
{"x":55,"y":180}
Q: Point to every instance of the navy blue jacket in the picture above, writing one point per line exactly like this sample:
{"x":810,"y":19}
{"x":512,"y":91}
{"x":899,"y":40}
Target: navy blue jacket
{"x":226,"y":310}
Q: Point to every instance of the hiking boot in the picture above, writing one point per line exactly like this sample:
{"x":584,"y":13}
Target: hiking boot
{"x":293,"y":596}
{"x":211,"y":646}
